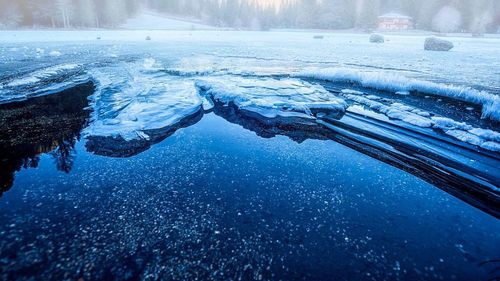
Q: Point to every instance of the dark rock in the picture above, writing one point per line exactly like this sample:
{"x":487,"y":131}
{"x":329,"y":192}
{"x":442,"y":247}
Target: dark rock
{"x":436,"y":44}
{"x":377,"y":38}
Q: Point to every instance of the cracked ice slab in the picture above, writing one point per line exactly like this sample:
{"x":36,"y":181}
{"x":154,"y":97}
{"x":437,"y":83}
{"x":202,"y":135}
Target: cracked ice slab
{"x":485,"y":138}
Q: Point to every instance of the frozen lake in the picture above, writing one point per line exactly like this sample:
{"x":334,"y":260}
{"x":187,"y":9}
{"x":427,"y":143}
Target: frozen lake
{"x":245,"y":155}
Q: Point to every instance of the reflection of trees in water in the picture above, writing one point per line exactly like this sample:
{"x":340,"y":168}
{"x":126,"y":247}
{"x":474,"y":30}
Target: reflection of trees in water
{"x":31,"y":162}
{"x":49,"y":124}
{"x":62,"y":151}
{"x":64,"y":155}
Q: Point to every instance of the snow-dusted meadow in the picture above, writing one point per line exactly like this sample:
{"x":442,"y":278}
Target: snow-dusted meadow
{"x":435,"y":115}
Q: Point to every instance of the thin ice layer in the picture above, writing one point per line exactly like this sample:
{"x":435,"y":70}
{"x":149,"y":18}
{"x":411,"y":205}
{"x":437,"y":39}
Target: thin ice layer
{"x":132,"y":100}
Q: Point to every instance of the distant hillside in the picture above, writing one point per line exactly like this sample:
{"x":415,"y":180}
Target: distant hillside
{"x":155,"y":21}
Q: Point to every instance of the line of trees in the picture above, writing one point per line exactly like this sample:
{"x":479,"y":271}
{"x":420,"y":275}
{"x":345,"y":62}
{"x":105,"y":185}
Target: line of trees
{"x":440,"y":15}
{"x":66,"y":13}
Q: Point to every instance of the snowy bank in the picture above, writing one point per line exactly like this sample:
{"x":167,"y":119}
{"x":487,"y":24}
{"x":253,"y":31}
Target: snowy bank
{"x":390,"y":82}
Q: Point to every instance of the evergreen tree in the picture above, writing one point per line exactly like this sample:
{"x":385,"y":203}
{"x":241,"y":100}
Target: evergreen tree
{"x":87,"y":16}
{"x":367,"y":12}
{"x":10,"y":14}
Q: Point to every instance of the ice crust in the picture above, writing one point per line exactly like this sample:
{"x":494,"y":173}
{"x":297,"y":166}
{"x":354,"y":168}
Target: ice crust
{"x":42,"y":74}
{"x":41,"y":81}
{"x":135,"y":98}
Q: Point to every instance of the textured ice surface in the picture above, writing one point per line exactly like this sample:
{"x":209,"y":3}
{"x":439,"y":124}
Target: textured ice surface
{"x":272,"y":98}
{"x":369,"y":106}
{"x":392,"y":111}
{"x":38,"y":81}
{"x":132,"y":99}
{"x":42,"y":74}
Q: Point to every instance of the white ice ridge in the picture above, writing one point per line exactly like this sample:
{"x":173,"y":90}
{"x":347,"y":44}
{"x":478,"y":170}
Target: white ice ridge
{"x":42,"y":74}
{"x":391,"y":82}
{"x":130,"y":102}
{"x":271,"y":97}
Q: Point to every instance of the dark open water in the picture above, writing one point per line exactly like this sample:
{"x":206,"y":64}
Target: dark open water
{"x":217,"y":201}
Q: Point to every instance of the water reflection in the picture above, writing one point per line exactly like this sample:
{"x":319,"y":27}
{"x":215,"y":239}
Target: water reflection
{"x":49,"y":124}
{"x":475,"y":185}
{"x":53,"y":124}
{"x":471,"y":184}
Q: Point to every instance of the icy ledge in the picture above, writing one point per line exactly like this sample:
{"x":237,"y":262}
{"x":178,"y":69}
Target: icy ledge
{"x":390,"y":82}
{"x":130,"y":103}
{"x":272,"y":99}
{"x":42,"y":74}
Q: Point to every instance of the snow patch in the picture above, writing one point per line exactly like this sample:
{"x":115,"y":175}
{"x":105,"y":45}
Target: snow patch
{"x":55,"y":54}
